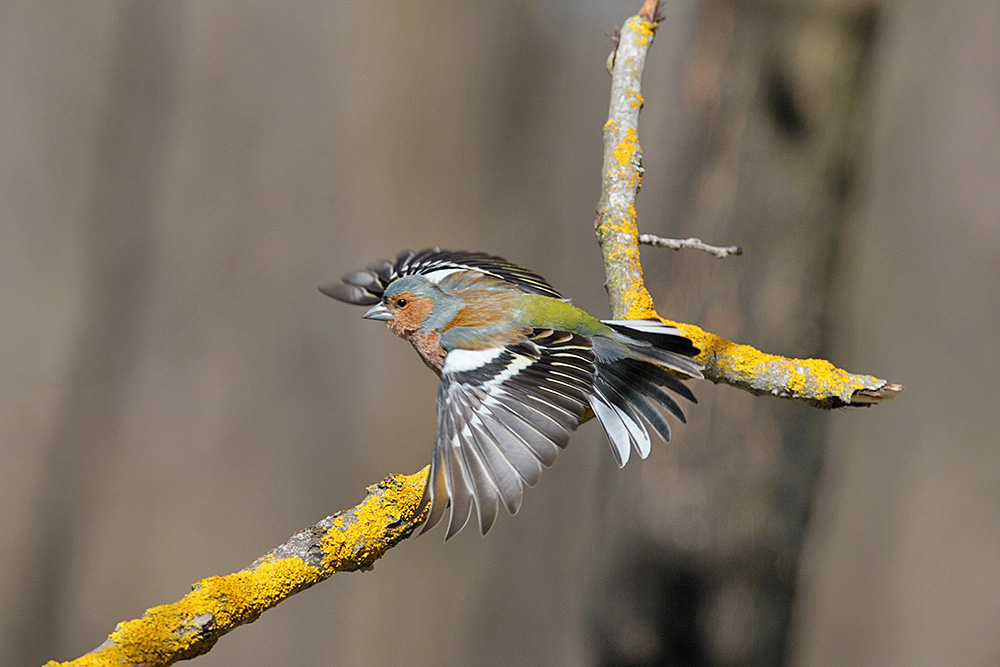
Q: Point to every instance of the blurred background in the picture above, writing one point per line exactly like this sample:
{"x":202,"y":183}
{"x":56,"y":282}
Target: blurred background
{"x":176,"y":398}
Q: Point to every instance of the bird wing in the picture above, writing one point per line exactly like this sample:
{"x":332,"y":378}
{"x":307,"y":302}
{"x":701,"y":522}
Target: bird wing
{"x":635,"y":385}
{"x":366,"y":286}
{"x":503,"y":414}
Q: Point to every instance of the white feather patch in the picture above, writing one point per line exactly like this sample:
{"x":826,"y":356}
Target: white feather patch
{"x":517,"y":365}
{"x":651,"y":326}
{"x":438,"y":275}
{"x":460,"y":361}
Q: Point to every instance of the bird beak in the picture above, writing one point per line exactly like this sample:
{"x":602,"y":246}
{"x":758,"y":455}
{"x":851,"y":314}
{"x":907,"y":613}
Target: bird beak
{"x":378,"y":312}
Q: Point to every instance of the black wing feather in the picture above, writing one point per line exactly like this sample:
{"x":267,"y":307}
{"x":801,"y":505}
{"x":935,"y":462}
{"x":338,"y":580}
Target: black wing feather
{"x":366,"y":286}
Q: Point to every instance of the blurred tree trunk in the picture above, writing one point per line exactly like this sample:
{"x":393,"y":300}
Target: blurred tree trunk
{"x":776,"y":101}
{"x":116,"y":238}
{"x":904,"y":556}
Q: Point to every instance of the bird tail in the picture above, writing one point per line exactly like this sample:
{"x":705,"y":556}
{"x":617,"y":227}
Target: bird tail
{"x":634,"y":371}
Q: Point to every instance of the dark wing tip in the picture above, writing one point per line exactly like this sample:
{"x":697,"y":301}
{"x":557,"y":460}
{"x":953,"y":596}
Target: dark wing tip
{"x":365,"y":287}
{"x":433,"y":259}
{"x":343,"y":291}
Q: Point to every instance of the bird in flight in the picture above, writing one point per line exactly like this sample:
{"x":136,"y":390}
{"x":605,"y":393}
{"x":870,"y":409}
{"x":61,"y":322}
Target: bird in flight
{"x":520,"y":369}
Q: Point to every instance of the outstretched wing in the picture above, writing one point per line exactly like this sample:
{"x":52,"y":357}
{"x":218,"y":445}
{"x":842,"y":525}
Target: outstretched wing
{"x":366,"y":286}
{"x":503,"y":415}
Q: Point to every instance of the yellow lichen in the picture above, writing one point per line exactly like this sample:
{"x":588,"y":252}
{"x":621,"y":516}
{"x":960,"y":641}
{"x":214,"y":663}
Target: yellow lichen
{"x":626,"y":148}
{"x":171,"y":631}
{"x":645,"y":30}
{"x":820,"y":372}
{"x":640,"y":303}
{"x":357,"y":537}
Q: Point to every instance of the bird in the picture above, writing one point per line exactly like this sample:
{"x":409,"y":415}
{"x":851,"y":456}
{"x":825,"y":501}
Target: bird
{"x":520,"y":368}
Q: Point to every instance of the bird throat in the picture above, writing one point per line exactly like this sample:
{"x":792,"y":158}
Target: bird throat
{"x":428,"y":346}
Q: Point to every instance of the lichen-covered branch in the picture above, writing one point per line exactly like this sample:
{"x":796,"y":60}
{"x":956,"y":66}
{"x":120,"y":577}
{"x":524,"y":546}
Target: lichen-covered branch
{"x":621,"y":175}
{"x":350,"y":540}
{"x":814,"y":381}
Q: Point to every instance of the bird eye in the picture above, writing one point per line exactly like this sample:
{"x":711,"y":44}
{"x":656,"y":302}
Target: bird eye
{"x":401,"y":303}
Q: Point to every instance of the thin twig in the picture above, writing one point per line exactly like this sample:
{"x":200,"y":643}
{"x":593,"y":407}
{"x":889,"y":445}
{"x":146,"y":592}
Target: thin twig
{"x":691,"y":243}
{"x":650,"y":11}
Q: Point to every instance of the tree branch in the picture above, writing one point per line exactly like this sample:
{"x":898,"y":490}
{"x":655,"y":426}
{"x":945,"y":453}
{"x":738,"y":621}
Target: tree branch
{"x":621,"y":173}
{"x":347,"y":541}
{"x":813,"y":381}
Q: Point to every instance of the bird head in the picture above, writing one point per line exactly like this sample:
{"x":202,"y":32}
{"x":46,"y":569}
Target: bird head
{"x":413,"y":303}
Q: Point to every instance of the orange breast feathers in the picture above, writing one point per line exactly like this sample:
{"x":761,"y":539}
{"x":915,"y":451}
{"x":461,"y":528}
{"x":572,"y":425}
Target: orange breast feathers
{"x":487,"y":309}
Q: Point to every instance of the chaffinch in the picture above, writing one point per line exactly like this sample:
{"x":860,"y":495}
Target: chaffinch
{"x":520,"y":369}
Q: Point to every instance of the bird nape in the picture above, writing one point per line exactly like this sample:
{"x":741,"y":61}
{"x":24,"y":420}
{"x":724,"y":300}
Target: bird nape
{"x":520,"y":369}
